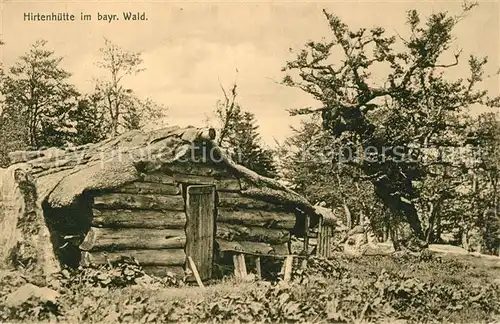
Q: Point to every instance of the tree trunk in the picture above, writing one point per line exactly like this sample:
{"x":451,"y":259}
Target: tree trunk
{"x":391,"y":185}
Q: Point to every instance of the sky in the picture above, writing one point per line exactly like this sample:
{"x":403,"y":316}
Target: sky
{"x":190,"y":48}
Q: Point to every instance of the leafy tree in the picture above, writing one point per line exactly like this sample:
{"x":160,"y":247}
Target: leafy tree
{"x":88,"y":120}
{"x":38,"y":97}
{"x":415,"y":107}
{"x":486,"y":174}
{"x":114,"y":104}
{"x":306,"y":162}
{"x":239,"y":135}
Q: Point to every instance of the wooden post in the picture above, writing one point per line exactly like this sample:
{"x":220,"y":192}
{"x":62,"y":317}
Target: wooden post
{"x":319,"y":248}
{"x":240,"y":268}
{"x":258,"y":268}
{"x":328,"y":253}
{"x":288,"y":268}
{"x":306,"y":235}
{"x":195,"y":272}
{"x":243,"y":265}
{"x":237,"y":273}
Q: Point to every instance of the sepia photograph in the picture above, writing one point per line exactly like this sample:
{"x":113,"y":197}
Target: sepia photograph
{"x":249,"y":161}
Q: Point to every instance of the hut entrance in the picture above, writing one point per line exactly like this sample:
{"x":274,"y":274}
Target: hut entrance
{"x":200,"y":227}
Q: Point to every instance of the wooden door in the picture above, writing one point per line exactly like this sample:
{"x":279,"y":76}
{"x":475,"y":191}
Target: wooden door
{"x":200,"y":206}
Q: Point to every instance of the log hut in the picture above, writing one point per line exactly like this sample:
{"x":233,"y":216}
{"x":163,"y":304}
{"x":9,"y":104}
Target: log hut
{"x":157,"y":196}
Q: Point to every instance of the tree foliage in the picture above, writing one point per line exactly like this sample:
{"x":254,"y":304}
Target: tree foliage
{"x":40,"y":108}
{"x":115,"y":107}
{"x":239,"y":135}
{"x":387,"y":127}
{"x":306,"y":161}
{"x":38,"y":97}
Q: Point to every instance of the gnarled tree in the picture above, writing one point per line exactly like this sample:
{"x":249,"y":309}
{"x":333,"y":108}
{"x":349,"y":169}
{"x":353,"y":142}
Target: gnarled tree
{"x":389,"y":124}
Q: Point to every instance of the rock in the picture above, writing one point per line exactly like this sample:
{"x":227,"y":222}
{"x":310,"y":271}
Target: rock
{"x":28,"y":291}
{"x":380,"y":249}
{"x":447,"y":249}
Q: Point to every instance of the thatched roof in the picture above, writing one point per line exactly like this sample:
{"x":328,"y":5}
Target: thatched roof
{"x":61,"y":175}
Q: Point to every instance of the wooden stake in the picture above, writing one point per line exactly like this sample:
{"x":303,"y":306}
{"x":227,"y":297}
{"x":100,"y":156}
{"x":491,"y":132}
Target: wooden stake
{"x":288,"y":268}
{"x":243,"y":265}
{"x":319,"y":247}
{"x":306,"y":235}
{"x":240,"y":268}
{"x":237,"y":273}
{"x":195,"y":272}
{"x":258,"y":268}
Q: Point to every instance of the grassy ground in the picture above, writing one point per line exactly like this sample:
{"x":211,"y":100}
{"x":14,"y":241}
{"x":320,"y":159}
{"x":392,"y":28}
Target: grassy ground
{"x":375,"y":289}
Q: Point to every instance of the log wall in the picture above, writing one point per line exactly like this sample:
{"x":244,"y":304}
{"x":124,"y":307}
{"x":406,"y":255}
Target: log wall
{"x":146,"y":219}
{"x":253,"y":226}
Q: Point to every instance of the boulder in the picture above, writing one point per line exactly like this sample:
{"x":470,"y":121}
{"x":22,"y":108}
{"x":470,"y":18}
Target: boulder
{"x":30,"y":291}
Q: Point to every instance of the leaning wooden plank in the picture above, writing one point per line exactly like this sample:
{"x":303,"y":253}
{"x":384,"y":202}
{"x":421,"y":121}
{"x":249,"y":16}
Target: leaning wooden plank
{"x":114,"y":239}
{"x":195,"y":272}
{"x":164,"y":271}
{"x":133,"y":201}
{"x":239,"y":203}
{"x":149,"y":188}
{"x":261,"y":218}
{"x":144,"y":257}
{"x":233,"y":232}
{"x":128,"y":218}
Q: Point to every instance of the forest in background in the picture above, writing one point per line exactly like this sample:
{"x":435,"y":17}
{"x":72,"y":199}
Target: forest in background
{"x":406,"y":153}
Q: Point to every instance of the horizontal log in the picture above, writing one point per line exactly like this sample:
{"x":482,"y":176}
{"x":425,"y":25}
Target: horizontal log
{"x":128,"y":218}
{"x":223,"y":184}
{"x":164,"y":271}
{"x":276,"y":219}
{"x":166,"y":257}
{"x":250,"y":247}
{"x":109,"y":239}
{"x":231,"y":232}
{"x":193,"y":179}
{"x":253,"y":248}
{"x":158,"y":177}
{"x":201,"y":169}
{"x":229,"y":194}
{"x":238,"y":203}
{"x":231,"y":184}
{"x":149,"y":188}
{"x":136,"y":201}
